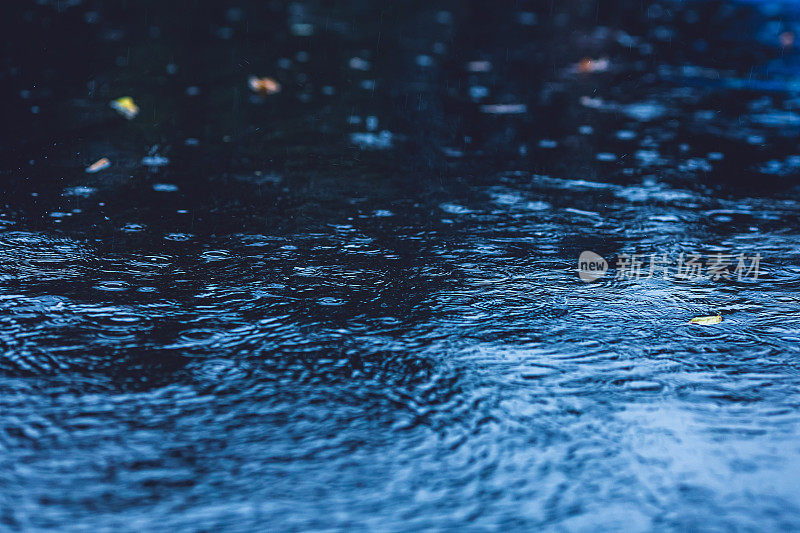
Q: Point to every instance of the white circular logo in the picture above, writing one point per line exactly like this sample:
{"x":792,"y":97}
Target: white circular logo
{"x":591,"y":266}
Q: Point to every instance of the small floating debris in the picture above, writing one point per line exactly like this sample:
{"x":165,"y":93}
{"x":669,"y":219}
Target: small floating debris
{"x":706,"y":320}
{"x":97,"y":166}
{"x":125,"y":106}
{"x":263,"y":86}
{"x":592,"y":66}
{"x":504,"y":109}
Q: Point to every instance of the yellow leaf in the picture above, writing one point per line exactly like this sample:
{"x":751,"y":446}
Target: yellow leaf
{"x":263,"y":85}
{"x":125,"y":106}
{"x":706,"y":320}
{"x":98,"y":165}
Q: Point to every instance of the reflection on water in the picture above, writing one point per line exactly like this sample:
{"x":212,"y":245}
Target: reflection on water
{"x":354,"y":304}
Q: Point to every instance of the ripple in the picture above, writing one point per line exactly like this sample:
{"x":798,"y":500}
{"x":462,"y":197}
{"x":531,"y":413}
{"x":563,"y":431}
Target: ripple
{"x":198,"y":336}
{"x":178,"y":237}
{"x":112,"y":286}
{"x":349,"y":328}
{"x":330,"y":301}
{"x":215,"y":255}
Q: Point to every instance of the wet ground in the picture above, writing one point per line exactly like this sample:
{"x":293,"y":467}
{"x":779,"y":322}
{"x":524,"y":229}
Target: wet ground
{"x":354,"y":304}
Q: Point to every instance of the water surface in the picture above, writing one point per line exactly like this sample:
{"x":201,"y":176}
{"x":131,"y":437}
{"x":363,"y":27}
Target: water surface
{"x":354,"y":304}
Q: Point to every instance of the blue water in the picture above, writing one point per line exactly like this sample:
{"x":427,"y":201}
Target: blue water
{"x":355,"y":305}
